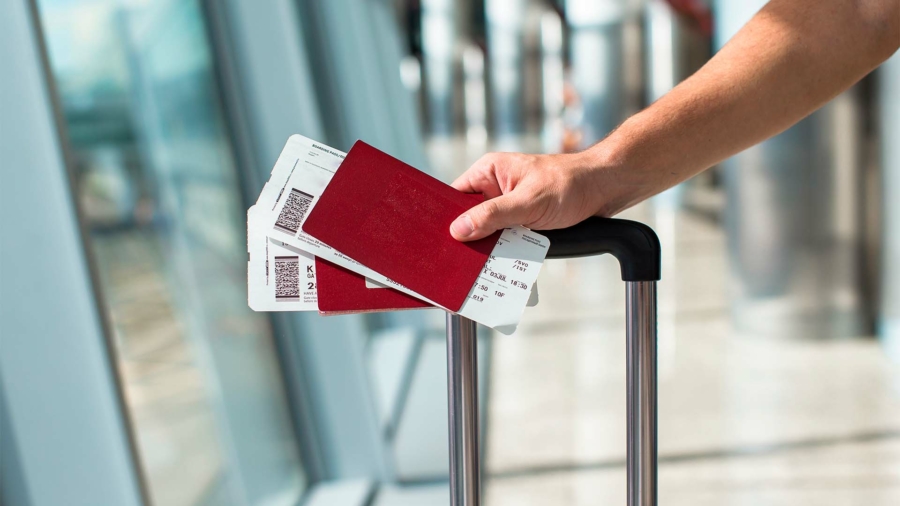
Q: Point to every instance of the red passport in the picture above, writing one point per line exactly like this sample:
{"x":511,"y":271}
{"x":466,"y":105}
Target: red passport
{"x":344,"y":291}
{"x":395,"y":219}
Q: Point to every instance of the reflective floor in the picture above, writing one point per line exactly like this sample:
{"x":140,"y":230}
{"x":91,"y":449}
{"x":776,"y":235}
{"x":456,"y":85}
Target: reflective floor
{"x":743,"y":419}
{"x":172,"y":413}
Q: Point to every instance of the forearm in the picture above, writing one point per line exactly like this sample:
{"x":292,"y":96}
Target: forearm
{"x":794,"y":56}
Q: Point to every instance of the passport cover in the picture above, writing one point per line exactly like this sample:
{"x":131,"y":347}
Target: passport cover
{"x":395,"y":219}
{"x":343,"y":291}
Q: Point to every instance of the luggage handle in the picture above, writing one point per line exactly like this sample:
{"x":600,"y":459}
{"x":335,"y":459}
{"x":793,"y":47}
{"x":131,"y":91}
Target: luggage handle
{"x":634,"y":245}
{"x":637,"y":249}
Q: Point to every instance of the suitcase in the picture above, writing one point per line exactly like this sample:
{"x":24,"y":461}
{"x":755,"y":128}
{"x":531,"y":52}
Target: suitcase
{"x":637,"y":249}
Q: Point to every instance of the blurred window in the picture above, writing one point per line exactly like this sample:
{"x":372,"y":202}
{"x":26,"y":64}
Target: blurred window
{"x":157,"y":184}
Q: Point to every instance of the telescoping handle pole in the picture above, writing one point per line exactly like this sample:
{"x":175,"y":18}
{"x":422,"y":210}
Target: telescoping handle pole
{"x":641,"y":385}
{"x":462,"y":385}
{"x":636,"y":247}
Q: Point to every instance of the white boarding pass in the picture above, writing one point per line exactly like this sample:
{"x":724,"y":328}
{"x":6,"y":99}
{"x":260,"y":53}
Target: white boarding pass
{"x":279,"y":277}
{"x":301,"y":174}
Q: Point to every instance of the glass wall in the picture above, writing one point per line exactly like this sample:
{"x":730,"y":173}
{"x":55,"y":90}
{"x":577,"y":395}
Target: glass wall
{"x":159,"y":190}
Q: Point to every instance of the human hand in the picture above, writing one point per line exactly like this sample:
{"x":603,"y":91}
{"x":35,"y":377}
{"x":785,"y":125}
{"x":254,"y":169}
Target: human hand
{"x":535,"y":191}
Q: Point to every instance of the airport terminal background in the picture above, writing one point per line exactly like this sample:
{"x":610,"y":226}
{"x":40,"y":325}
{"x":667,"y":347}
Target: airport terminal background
{"x":134,"y":134}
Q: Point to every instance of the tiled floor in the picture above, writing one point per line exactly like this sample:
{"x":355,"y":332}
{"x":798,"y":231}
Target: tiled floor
{"x":170,"y":406}
{"x":743,"y":419}
{"x":200,"y":378}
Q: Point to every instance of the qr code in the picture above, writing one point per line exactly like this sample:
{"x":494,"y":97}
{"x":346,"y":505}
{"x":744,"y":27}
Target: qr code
{"x":295,"y":208}
{"x":287,"y":278}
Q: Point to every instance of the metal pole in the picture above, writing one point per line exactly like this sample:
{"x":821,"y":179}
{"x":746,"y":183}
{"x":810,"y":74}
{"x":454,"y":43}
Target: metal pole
{"x":462,"y":389}
{"x":641,"y":385}
{"x":889,"y":315}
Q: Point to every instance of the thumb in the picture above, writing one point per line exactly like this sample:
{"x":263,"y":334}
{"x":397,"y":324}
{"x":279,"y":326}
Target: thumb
{"x":488,"y":217}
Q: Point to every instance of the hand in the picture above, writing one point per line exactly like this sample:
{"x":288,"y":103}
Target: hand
{"x":536,"y":191}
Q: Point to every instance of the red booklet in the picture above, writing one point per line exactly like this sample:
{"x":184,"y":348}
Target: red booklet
{"x":395,"y":219}
{"x":343,"y":291}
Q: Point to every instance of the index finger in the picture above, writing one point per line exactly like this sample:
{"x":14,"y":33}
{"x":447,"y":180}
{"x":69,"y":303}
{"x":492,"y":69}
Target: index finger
{"x":479,"y":178}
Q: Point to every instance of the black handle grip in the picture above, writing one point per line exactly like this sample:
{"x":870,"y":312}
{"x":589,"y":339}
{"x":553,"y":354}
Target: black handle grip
{"x":634,"y":244}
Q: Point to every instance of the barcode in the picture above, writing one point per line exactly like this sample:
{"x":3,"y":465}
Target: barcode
{"x":287,"y":278}
{"x":295,"y":208}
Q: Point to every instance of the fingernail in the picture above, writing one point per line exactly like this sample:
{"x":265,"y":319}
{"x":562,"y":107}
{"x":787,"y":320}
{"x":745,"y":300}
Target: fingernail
{"x":462,"y":227}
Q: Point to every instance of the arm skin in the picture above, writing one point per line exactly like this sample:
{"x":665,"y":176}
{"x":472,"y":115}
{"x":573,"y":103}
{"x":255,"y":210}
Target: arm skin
{"x":789,"y":60}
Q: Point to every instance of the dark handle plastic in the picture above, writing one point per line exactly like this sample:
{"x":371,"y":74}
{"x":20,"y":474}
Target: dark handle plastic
{"x":634,"y":244}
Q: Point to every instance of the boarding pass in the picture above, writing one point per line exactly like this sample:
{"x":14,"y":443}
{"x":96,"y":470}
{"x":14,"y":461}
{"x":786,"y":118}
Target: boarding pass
{"x":301,"y":174}
{"x":279,"y":276}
